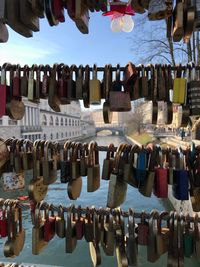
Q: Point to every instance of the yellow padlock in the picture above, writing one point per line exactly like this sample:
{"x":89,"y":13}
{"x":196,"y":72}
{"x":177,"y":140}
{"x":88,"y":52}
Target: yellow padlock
{"x":95,"y":88}
{"x":179,"y":88}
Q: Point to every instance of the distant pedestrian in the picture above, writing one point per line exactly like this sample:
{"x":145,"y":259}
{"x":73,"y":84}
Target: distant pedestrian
{"x":182,"y":134}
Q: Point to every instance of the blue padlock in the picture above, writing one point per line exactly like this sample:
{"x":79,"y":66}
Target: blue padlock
{"x":140,"y":171}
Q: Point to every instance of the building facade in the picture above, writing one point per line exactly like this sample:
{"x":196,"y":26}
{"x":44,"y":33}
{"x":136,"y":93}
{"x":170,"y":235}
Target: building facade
{"x":41,"y":122}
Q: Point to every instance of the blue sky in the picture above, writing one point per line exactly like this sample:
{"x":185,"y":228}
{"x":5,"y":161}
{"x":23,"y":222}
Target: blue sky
{"x":64,"y":43}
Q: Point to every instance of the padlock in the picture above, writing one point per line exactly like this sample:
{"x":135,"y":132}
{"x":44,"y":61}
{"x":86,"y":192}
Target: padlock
{"x":132,"y":246}
{"x":53,"y":99}
{"x":152,"y":254}
{"x":14,"y":20}
{"x":27,"y":156}
{"x":45,"y":82}
{"x":66,"y":168}
{"x":50,"y":13}
{"x":9,"y":246}
{"x":153,"y":84}
{"x":49,"y":225}
{"x":86,"y":97}
{"x":143,"y":83}
{"x":178,"y":25}
{"x":80,"y":225}
{"x":79,"y":83}
{"x":3,"y":223}
{"x":108,"y":163}
{"x":117,"y":186}
{"x":194,"y":91}
{"x":38,"y":242}
{"x":128,"y":173}
{"x":37,"y":190}
{"x":93,"y":169}
{"x":146,"y":187}
{"x":3,"y":89}
{"x":108,"y":236}
{"x":161,"y":178}
{"x":75,"y":161}
{"x":16,"y":83}
{"x":63,"y":75}
{"x":27,"y":16}
{"x":129,"y":77}
{"x":49,"y":163}
{"x":81,"y":17}
{"x":70,"y":236}
{"x":196,"y":237}
{"x":158,"y":10}
{"x":180,"y":186}
{"x":142,"y":231}
{"x":20,"y":233}
{"x":58,"y":9}
{"x":119,"y":100}
{"x":95,"y":88}
{"x":162,"y":236}
{"x":84,"y":159}
{"x":140,"y":171}
{"x":107,"y":83}
{"x":179,"y":88}
{"x":32,"y":85}
{"x":60,"y":223}
{"x":89,"y":226}
{"x":188,"y":238}
{"x":24,"y":82}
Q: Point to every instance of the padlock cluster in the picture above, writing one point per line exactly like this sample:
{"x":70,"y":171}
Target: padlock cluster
{"x":117,"y":232}
{"x":23,"y":16}
{"x":62,"y":84}
{"x":149,"y":169}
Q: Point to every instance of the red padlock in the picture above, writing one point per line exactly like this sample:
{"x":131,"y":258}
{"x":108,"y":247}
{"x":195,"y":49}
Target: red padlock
{"x":79,"y":226}
{"x":3,"y":88}
{"x":45,"y":82}
{"x":49,"y":226}
{"x":161,"y":183}
{"x":58,"y":10}
{"x":142,"y":231}
{"x":63,"y":75}
{"x":16,"y":83}
{"x":3,"y":224}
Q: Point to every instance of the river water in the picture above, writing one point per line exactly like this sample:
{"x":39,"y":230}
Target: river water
{"x":54,"y":254}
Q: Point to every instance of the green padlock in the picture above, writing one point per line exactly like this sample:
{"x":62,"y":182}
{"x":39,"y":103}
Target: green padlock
{"x":188,"y":239}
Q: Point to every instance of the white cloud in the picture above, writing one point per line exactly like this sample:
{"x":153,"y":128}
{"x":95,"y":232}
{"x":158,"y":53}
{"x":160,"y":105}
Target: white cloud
{"x":25,"y":53}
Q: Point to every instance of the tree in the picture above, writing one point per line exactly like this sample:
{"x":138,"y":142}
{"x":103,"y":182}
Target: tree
{"x":135,"y":124}
{"x":153,"y":46}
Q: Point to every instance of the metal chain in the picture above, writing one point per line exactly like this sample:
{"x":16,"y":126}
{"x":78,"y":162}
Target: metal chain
{"x":84,"y":210}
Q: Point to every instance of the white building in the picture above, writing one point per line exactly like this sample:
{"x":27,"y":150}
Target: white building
{"x":41,"y":122}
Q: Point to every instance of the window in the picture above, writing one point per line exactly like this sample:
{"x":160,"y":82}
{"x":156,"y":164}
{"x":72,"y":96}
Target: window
{"x":72,"y":122}
{"x":51,"y":136}
{"x":75,"y":123}
{"x":69,"y":122}
{"x":51,"y":121}
{"x":61,"y":122}
{"x":66,"y":134}
{"x":61,"y":135}
{"x":44,"y":137}
{"x":12,"y":122}
{"x":44,"y":120}
{"x":57,"y":121}
{"x":65,"y":122}
{"x":69,"y":133}
{"x":1,"y":121}
{"x":57,"y":136}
